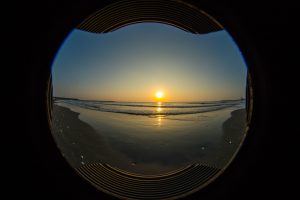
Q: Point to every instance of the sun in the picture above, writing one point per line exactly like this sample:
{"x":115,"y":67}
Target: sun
{"x":159,"y":95}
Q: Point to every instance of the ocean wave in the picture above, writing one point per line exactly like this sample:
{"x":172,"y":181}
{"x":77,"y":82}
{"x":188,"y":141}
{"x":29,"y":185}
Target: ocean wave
{"x":153,"y":109}
{"x":167,"y":106}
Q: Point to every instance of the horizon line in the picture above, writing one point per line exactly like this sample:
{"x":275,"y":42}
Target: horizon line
{"x":73,"y":98}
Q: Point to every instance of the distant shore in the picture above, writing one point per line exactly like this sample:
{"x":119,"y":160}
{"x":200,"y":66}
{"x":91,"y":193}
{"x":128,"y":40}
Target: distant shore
{"x":68,"y":98}
{"x":81,"y":143}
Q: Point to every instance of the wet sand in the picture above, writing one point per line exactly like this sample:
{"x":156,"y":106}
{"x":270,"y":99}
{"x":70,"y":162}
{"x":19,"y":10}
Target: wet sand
{"x":78,"y":141}
{"x":144,"y":153}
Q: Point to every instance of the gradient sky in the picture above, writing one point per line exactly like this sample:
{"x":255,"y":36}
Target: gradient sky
{"x":132,"y":63}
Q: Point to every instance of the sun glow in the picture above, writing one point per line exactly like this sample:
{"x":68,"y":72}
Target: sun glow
{"x":159,"y":95}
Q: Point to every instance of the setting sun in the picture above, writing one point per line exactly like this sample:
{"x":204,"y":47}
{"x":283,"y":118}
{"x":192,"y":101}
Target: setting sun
{"x":159,"y":94}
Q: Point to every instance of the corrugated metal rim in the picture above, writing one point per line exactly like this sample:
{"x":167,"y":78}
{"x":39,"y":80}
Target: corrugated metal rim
{"x":176,"y":13}
{"x":130,"y":186}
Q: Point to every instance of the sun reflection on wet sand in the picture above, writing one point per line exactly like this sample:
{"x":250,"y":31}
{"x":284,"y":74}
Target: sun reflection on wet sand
{"x":159,"y":117}
{"x":159,"y":120}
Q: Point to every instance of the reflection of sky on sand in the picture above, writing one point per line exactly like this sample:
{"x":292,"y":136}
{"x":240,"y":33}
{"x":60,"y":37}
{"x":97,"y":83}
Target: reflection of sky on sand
{"x":165,"y":141}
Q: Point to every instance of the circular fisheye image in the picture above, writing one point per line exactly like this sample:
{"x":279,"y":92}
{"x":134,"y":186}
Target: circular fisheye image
{"x":148,"y":105}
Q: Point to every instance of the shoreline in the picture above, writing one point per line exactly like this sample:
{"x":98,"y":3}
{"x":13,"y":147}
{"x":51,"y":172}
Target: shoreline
{"x":82,"y":144}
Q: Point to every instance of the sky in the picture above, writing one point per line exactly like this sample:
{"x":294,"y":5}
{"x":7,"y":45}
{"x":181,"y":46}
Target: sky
{"x":134,"y":62}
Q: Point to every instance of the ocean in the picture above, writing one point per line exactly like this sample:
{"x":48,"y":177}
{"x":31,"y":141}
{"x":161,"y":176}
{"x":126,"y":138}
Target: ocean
{"x":155,"y":108}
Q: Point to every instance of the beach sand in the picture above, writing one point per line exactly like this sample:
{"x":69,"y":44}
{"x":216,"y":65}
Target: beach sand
{"x":146,"y":145}
{"x":77,"y":140}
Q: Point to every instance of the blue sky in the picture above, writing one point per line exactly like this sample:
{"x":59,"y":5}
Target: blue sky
{"x":132,"y":63}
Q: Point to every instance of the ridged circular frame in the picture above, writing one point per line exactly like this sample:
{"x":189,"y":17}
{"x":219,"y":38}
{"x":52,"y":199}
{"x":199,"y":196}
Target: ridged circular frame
{"x":175,"y":184}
